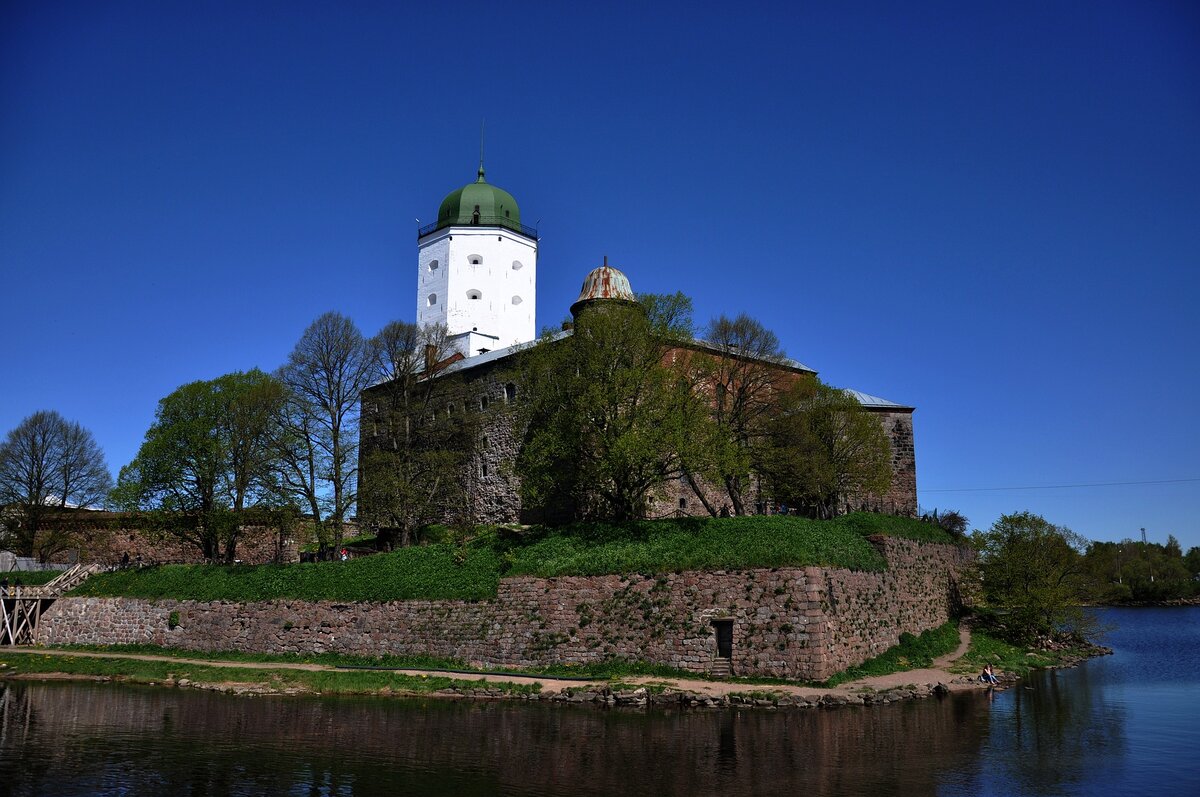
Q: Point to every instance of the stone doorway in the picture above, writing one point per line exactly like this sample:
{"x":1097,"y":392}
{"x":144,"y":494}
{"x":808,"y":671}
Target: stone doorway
{"x":723,"y":662}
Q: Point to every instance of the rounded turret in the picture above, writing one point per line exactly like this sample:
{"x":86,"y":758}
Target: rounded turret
{"x":603,"y":284}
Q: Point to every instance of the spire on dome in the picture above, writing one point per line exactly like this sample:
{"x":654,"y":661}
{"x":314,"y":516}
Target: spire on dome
{"x":481,"y":180}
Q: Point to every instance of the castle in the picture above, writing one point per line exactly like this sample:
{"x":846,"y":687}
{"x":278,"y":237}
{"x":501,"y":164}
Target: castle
{"x":477,"y":267}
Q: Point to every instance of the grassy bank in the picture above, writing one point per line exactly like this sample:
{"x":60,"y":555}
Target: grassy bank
{"x":30,"y":578}
{"x":1015,"y":659}
{"x":472,"y":570}
{"x":274,"y":680}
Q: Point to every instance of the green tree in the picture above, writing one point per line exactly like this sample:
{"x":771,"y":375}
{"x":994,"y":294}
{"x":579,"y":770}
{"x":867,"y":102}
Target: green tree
{"x":421,"y":439}
{"x":744,"y":382}
{"x":207,"y":457}
{"x":824,"y":450}
{"x":48,"y":467}
{"x":1192,"y":561}
{"x":318,"y":438}
{"x":1033,"y":571}
{"x":608,"y":421}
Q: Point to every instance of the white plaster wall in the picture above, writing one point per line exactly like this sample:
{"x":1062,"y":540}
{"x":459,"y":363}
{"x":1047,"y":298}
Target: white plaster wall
{"x":432,"y":281}
{"x":497,"y":282}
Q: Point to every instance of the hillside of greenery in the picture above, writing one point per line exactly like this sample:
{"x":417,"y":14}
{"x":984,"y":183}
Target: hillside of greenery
{"x":471,"y":569}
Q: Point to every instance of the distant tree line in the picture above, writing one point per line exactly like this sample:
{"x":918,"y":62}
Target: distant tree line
{"x":1037,"y":575}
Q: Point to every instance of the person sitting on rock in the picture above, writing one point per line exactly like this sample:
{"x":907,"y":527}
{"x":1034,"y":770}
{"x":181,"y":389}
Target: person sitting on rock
{"x":988,"y":676}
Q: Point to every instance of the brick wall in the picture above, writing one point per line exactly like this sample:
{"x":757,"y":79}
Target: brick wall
{"x":787,"y":622}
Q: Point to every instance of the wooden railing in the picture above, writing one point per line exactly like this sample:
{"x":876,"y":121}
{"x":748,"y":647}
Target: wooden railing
{"x":21,"y":606}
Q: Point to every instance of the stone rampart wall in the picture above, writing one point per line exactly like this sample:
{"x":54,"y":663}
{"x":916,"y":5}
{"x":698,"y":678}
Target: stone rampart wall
{"x":787,"y":622}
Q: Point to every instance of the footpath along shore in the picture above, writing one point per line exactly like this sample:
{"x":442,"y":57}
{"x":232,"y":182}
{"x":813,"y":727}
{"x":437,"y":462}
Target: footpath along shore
{"x":629,"y":691}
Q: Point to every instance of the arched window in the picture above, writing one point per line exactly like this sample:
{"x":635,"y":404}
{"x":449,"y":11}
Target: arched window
{"x":517,"y":300}
{"x":517,"y":265}
{"x":433,"y":265}
{"x":432,"y":299}
{"x":483,"y":402}
{"x":474,"y":294}
{"x":475,"y":260}
{"x":510,"y":392}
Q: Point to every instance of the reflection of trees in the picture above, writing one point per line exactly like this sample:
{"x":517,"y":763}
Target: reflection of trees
{"x":1056,"y":730}
{"x":149,"y":741}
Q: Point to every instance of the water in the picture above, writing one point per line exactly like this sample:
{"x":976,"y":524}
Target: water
{"x":1125,"y":724}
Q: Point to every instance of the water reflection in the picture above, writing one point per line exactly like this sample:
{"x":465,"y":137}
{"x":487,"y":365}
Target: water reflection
{"x":1120,"y":725}
{"x":107,"y":739}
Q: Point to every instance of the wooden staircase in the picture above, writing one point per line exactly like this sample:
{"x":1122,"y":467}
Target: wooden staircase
{"x":21,"y":607}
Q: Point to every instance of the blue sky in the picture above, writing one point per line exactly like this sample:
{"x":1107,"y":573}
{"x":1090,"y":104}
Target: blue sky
{"x":988,"y":211}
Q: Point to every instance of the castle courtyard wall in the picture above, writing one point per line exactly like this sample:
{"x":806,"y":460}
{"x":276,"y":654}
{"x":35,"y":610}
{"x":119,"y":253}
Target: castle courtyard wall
{"x":792,"y":622}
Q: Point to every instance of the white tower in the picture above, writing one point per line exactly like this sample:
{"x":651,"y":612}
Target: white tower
{"x":477,"y":267}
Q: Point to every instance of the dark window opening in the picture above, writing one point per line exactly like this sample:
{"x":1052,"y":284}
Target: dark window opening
{"x":483,"y":402}
{"x":683,"y":503}
{"x":510,"y":392}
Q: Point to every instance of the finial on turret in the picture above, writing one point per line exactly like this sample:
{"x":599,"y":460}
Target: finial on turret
{"x":481,"y":180}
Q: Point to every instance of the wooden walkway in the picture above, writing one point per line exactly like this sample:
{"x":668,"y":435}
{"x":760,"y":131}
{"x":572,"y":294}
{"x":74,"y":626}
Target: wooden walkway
{"x":21,"y":607}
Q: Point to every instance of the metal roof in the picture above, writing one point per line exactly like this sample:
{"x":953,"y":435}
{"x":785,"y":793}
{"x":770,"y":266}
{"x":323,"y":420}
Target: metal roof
{"x":874,"y":402}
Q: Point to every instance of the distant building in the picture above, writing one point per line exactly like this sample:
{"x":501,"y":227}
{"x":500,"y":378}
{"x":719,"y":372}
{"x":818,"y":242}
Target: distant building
{"x":477,"y":268}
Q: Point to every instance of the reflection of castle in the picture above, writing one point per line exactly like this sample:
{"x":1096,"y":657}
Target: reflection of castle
{"x":180,"y":741}
{"x":476,"y":275}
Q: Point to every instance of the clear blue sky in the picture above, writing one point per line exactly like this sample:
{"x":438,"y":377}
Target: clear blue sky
{"x":991,"y":212}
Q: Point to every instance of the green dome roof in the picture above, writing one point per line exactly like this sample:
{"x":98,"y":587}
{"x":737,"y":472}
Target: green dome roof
{"x":494,"y":205}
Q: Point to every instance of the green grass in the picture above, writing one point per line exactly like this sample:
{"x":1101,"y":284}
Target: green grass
{"x":472,"y":570}
{"x":325,"y":682}
{"x":913,"y":652}
{"x":1005,"y":656}
{"x":30,"y":578}
{"x":433,"y":571}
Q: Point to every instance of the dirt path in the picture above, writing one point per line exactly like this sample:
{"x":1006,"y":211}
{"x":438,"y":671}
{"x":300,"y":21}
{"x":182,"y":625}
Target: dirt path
{"x":938,"y":673}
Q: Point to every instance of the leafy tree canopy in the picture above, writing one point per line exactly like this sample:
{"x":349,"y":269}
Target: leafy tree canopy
{"x":207,"y":456}
{"x":608,"y":421}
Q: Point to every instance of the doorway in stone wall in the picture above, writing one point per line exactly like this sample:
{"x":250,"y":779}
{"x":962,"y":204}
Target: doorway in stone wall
{"x":724,"y":631}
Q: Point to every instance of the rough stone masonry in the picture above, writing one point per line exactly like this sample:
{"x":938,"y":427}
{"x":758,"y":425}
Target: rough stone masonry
{"x":788,"y":622}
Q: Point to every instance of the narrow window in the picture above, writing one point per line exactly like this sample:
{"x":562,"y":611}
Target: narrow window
{"x":510,"y":392}
{"x":432,"y":299}
{"x":683,"y":503}
{"x":483,"y":403}
{"x":483,"y":443}
{"x":483,"y":469}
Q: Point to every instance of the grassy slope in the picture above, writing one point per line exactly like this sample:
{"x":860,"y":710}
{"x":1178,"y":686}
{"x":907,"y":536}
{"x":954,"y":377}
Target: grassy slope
{"x":473,"y":570}
{"x":31,"y":578}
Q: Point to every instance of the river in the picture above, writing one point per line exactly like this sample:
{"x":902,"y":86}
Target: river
{"x":1127,"y":724}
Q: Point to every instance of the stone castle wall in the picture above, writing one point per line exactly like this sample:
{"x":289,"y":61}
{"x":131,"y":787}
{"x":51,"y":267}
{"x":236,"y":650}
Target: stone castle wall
{"x":494,"y":486}
{"x":802,"y":623}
